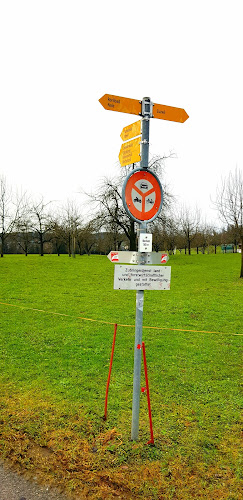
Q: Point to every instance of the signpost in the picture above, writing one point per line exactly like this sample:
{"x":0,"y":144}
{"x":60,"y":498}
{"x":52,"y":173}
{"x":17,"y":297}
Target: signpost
{"x":142,"y":197}
{"x":126,"y":257}
{"x":122,"y":104}
{"x":133,"y":106}
{"x":169,"y":113}
{"x":131,"y":131}
{"x":130,"y":152}
{"x":123,"y":257}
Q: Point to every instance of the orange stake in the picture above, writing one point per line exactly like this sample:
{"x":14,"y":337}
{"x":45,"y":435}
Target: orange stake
{"x":148,"y":397}
{"x":109,"y":375}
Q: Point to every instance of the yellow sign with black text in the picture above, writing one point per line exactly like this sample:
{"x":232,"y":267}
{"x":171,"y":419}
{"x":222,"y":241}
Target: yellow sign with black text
{"x":131,"y":131}
{"x":169,"y":113}
{"x":130,"y":152}
{"x":134,"y":107}
{"x":122,"y":104}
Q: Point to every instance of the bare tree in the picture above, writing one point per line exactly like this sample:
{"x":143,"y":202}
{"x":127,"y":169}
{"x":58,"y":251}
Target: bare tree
{"x":229,"y":203}
{"x":204,"y":236}
{"x":88,"y":237}
{"x":41,"y":222}
{"x":165,"y":231}
{"x":215,"y":239}
{"x":24,"y":229}
{"x":10,"y":210}
{"x":71,"y":223}
{"x":189,"y":220}
{"x":58,"y":236}
{"x":110,"y":213}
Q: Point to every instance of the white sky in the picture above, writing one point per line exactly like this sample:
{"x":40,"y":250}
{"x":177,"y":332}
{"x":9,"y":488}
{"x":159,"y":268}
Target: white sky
{"x":57,"y":58}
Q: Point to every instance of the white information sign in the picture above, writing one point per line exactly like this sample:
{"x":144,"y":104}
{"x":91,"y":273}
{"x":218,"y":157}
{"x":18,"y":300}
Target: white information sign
{"x":142,"y":277}
{"x":145,"y":242}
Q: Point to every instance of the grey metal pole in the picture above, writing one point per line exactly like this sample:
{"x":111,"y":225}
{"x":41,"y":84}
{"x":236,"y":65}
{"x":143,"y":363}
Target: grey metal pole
{"x":146,"y":113}
{"x":137,"y":354}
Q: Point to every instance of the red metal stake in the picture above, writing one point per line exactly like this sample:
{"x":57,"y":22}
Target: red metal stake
{"x":148,"y":397}
{"x":109,"y":375}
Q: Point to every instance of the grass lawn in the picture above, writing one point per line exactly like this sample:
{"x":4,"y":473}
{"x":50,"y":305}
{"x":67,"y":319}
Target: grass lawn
{"x":54,"y":366}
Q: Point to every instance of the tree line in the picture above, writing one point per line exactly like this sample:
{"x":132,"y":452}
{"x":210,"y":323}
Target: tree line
{"x":28,"y":226}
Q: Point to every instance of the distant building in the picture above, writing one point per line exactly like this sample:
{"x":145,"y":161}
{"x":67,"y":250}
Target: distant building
{"x":229,"y":248}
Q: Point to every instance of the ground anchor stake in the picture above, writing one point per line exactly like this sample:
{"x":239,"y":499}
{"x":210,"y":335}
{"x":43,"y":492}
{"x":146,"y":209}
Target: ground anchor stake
{"x":148,"y":396}
{"x":109,"y":374}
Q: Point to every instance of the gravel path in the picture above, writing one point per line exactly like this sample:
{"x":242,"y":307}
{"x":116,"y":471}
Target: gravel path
{"x":15,"y":487}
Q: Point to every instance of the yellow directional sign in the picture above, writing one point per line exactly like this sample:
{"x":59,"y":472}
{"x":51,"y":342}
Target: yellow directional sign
{"x":122,"y":104}
{"x":169,"y":113}
{"x":130,"y":152}
{"x":131,"y":131}
{"x":133,"y":106}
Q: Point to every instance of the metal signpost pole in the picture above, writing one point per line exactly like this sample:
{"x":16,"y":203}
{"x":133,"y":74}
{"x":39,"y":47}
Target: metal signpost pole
{"x":137,"y":357}
{"x":138,"y":206}
{"x":146,"y":113}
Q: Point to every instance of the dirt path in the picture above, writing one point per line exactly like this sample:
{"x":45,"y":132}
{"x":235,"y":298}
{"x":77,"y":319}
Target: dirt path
{"x":16,"y":487}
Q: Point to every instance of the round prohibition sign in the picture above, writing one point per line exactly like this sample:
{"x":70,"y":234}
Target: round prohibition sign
{"x":142,"y":195}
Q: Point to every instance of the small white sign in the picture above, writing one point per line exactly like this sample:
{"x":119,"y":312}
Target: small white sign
{"x":142,"y":277}
{"x":145,"y":242}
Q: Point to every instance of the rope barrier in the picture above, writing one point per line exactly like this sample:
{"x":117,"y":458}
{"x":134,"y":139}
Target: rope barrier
{"x":119,"y":324}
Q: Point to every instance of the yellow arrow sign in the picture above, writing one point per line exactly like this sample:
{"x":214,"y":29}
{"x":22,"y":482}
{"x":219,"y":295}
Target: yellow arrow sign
{"x":131,"y":131}
{"x":122,"y":104}
{"x":130,"y":152}
{"x":133,"y":106}
{"x":169,"y":113}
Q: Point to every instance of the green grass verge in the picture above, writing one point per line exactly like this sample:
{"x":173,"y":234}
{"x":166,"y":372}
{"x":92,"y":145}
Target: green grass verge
{"x":53,"y":371}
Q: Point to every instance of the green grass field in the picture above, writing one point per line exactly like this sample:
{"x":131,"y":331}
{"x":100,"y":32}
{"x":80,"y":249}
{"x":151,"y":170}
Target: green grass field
{"x":54,"y":367}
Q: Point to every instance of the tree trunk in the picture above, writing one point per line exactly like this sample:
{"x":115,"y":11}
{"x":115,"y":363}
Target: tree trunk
{"x":241,"y":271}
{"x":73,"y":246}
{"x":2,"y":244}
{"x":133,"y":237}
{"x":41,"y":245}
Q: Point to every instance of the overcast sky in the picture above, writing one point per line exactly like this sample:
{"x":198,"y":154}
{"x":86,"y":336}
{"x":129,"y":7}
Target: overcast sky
{"x":57,"y":58}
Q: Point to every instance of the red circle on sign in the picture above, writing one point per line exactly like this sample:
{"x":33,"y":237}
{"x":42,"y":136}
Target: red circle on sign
{"x":143,"y":195}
